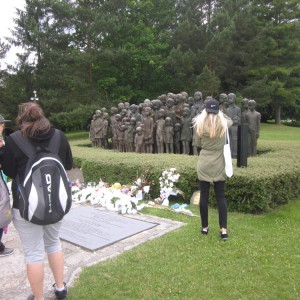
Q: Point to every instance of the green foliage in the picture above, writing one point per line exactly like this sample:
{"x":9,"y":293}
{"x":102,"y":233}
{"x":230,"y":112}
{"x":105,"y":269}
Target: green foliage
{"x":209,"y":81}
{"x":276,"y":56}
{"x":103,"y":52}
{"x":76,"y":119}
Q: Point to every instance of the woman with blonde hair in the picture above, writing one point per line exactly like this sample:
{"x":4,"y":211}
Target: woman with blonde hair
{"x":36,"y":239}
{"x":210,"y":127}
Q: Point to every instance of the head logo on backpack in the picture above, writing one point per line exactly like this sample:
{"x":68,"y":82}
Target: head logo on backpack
{"x":44,"y":194}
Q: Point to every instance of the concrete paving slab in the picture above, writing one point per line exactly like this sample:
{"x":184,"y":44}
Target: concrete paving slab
{"x":14,"y":284}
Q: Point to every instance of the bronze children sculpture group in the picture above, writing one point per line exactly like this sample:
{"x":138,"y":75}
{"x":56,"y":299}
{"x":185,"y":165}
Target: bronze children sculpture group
{"x":164,"y":125}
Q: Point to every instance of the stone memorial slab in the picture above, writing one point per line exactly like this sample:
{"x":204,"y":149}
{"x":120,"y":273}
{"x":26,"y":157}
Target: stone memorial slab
{"x":93,"y":229}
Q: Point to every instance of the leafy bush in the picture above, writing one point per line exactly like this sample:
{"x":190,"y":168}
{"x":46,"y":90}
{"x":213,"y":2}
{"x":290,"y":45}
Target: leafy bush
{"x":271,"y":178}
{"x":292,"y":123}
{"x":77,"y":119}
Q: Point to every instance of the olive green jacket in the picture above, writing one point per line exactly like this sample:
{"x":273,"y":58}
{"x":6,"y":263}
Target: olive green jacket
{"x":211,"y":163}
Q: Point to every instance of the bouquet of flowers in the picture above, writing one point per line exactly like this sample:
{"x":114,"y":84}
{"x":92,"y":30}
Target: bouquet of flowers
{"x":115,"y":197}
{"x":142,"y":187}
{"x":167,"y":186}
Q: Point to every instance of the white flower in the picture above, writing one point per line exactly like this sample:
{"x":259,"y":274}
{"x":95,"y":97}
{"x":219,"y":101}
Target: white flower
{"x":146,"y":188}
{"x":133,"y":188}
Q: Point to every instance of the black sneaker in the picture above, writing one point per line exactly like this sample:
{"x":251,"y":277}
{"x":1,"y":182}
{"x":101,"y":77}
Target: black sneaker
{"x":60,"y":295}
{"x":204,"y":231}
{"x":31,"y":297}
{"x":7,"y":252}
{"x":224,"y":235}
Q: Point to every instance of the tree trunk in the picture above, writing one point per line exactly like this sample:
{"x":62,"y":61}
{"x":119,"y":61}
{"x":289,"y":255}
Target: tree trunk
{"x":90,"y":62}
{"x":278,"y":114}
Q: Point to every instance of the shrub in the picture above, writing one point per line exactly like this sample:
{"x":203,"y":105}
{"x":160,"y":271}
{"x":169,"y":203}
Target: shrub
{"x":77,"y":119}
{"x":271,"y":178}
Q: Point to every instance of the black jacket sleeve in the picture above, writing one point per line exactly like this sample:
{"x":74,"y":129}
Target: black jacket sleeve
{"x":65,"y":152}
{"x":9,"y":159}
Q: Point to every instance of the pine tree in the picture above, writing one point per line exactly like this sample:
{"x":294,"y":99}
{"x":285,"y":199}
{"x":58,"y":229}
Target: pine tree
{"x":276,"y":59}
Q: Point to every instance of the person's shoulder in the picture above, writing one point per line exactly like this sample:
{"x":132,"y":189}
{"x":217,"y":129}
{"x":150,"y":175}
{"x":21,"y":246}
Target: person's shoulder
{"x":61,"y":133}
{"x":11,"y":138}
{"x":15,"y":133}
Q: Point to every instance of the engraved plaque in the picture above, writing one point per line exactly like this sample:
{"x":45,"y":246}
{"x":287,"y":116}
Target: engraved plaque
{"x":93,"y":229}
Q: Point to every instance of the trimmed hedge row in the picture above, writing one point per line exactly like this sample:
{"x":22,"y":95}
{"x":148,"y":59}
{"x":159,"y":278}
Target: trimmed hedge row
{"x":271,"y":178}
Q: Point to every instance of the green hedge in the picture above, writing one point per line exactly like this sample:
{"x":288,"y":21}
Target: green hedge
{"x":270,"y":179}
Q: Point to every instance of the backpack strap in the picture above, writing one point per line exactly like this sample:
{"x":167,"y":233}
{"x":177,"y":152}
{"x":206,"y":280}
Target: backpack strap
{"x":24,"y":145}
{"x":54,"y":142}
{"x":29,"y":150}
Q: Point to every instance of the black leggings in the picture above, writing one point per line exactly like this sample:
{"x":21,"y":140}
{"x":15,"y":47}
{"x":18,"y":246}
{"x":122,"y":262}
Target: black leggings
{"x":222,"y":205}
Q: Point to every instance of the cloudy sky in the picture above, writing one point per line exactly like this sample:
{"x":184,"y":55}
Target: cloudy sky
{"x":7,"y":14}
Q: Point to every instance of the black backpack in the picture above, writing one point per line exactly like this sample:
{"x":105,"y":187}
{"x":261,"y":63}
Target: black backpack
{"x":45,"y":193}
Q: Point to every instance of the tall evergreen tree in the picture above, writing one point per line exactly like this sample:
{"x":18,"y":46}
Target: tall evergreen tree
{"x":232,"y":31}
{"x":275,"y":63}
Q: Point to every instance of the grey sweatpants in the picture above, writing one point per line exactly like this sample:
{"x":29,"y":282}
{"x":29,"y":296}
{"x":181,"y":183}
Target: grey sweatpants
{"x":36,"y":239}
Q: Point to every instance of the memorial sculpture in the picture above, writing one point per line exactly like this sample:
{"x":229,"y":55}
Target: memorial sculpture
{"x":105,"y":130}
{"x":169,"y":135}
{"x":117,"y":131}
{"x":190,"y":101}
{"x":186,"y":131}
{"x":185,"y":96}
{"x":245,"y":108}
{"x":121,"y":140}
{"x":120,"y":106}
{"x":177,"y":135}
{"x":135,"y":113}
{"x":98,"y":128}
{"x":139,"y":140}
{"x":92,"y":131}
{"x":148,"y":130}
{"x":234,"y":113}
{"x":170,"y":113}
{"x":197,"y":106}
{"x":178,"y":107}
{"x":223,"y":101}
{"x":112,"y":126}
{"x":160,"y":131}
{"x":164,"y":119}
{"x":126,"y":137}
{"x":156,"y":106}
{"x":130,"y":134}
{"x":127,"y":105}
{"x":162,"y":98}
{"x":252,"y":118}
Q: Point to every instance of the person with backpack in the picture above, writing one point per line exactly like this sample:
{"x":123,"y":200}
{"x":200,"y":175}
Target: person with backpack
{"x":4,"y":251}
{"x":36,"y":157}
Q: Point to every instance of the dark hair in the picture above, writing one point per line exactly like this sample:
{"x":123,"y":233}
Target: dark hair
{"x":31,"y":119}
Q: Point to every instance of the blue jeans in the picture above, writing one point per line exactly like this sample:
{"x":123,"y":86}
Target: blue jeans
{"x":222,"y":205}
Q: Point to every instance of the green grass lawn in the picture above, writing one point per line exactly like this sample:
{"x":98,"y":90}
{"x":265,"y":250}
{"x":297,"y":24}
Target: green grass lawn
{"x":261,"y":259}
{"x":278,"y":132}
